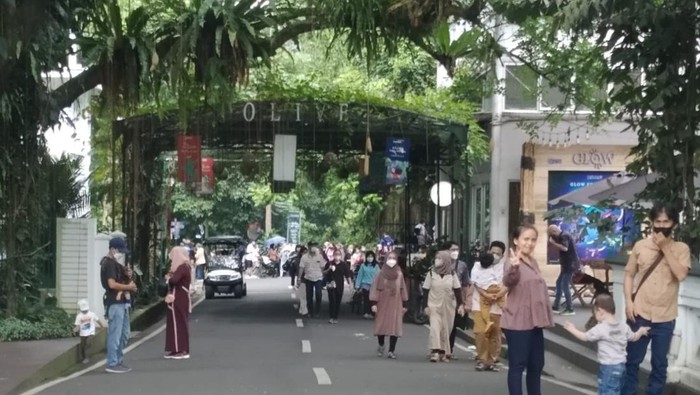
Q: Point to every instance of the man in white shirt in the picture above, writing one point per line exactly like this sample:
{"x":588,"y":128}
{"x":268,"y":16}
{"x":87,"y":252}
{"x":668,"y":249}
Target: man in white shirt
{"x":311,"y":271}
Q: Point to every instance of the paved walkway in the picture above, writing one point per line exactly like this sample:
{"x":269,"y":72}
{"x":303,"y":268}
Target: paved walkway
{"x":259,"y":345}
{"x":19,"y":360}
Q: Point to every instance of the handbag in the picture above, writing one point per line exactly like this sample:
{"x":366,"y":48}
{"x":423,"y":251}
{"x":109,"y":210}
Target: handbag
{"x":645,"y":277}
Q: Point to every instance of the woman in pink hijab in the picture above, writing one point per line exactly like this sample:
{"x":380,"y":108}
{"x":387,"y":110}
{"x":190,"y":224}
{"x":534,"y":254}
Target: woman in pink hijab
{"x":177,"y":336}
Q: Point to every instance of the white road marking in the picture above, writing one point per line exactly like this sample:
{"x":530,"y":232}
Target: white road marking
{"x":552,"y":380}
{"x":322,"y":376}
{"x":306,"y":347}
{"x":359,"y":334}
{"x":50,"y":384}
{"x":293,"y":295}
{"x":296,"y":306}
{"x":300,"y":323}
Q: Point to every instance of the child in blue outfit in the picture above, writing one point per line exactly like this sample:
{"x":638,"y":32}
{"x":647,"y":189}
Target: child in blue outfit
{"x":612,"y":337}
{"x":363,"y":281}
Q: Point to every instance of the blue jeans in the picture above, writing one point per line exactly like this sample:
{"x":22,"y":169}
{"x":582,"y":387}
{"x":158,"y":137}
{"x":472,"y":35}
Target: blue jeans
{"x":525,"y":351}
{"x":199,"y":272}
{"x":563,"y":285}
{"x":660,"y":336}
{"x":610,"y":379}
{"x":117,"y":333}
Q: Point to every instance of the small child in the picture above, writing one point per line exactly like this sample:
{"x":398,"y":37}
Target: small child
{"x":85,"y":323}
{"x":612,"y":337}
{"x":489,"y":288}
{"x":126,"y":279}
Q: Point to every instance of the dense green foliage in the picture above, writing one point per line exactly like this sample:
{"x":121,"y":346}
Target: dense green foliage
{"x":36,"y":322}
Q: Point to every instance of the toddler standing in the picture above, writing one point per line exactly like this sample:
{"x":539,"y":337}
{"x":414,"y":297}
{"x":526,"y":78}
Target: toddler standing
{"x":85,"y":323}
{"x":612,"y":337}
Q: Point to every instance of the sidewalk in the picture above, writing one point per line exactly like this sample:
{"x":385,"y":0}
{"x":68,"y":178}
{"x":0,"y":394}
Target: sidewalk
{"x":27,"y":364}
{"x":20,"y":360}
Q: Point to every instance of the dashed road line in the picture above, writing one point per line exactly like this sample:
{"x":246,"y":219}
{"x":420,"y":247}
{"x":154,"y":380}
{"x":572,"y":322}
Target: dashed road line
{"x":300,"y":323}
{"x":306,"y":347}
{"x":296,"y":306}
{"x":322,"y":376}
{"x":293,"y":295}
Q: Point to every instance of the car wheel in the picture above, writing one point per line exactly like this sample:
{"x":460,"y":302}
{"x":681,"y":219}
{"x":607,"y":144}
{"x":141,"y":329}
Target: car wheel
{"x":209,"y":292}
{"x":238,"y":291}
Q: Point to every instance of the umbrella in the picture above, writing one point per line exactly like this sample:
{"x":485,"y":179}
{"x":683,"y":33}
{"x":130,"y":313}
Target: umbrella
{"x":274,"y":240}
{"x":628,"y":192}
{"x":585,"y":195}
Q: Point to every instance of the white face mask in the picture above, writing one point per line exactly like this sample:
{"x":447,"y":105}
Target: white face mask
{"x":119,"y":257}
{"x":370,"y":259}
{"x":454,"y":255}
{"x":391,"y":262}
{"x":439,"y":262}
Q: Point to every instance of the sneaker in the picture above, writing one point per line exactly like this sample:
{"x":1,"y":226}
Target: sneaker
{"x":117,"y":369}
{"x":434,"y":357}
{"x":380,"y":351}
{"x":367,"y":316}
{"x":568,"y":312}
{"x":331,"y":321}
{"x":391,"y":355}
{"x":480,"y":366}
{"x":169,"y":355}
{"x":86,"y":361}
{"x":494,"y":368}
{"x":181,"y":355}
{"x":555,"y":309}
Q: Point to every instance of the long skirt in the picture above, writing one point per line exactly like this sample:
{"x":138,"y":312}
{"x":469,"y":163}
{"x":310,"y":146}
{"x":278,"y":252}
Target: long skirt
{"x":177,"y":333}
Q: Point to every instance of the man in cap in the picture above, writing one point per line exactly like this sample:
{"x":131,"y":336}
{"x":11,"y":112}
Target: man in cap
{"x":116,"y":281}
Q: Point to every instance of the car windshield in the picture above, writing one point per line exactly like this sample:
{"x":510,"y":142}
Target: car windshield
{"x":222,"y":256}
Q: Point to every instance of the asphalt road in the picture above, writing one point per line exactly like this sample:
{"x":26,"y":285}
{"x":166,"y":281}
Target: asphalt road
{"x":256,"y":345}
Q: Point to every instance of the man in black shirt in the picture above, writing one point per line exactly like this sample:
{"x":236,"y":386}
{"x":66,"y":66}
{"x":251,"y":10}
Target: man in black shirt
{"x":568,"y":260}
{"x":116,"y":280}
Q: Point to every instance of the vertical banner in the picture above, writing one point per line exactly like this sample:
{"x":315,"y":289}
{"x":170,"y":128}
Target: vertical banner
{"x":285,"y":157}
{"x":189,"y":158}
{"x":294,"y":227}
{"x":397,"y":160}
{"x":207,"y":185}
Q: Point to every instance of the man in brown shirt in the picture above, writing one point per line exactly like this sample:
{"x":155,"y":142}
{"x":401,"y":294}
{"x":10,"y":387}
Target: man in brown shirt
{"x":656,"y":302}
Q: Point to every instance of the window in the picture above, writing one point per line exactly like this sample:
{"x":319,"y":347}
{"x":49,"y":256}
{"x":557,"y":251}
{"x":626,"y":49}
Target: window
{"x":521,"y":88}
{"x":479,"y":229}
{"x":553,"y":97}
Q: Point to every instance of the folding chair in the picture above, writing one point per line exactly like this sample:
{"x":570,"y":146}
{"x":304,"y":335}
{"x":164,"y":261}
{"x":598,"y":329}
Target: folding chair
{"x":583,"y":282}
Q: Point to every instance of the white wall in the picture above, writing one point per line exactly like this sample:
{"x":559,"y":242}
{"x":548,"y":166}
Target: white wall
{"x":79,"y":250}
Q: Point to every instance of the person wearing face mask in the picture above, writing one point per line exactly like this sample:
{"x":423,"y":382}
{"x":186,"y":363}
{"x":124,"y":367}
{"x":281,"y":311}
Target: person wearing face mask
{"x":656,"y":267}
{"x":462,"y":272}
{"x":337,"y":272}
{"x":488,"y":300}
{"x":444,"y":297}
{"x":311,"y":270}
{"x":364,"y":279}
{"x":114,"y":278}
{"x":568,"y":262}
{"x":388,"y":295}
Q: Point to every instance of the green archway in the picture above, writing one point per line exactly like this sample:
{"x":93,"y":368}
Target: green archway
{"x":437,"y":147}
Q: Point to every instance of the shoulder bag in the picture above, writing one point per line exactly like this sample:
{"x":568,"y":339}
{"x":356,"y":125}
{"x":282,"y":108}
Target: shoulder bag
{"x":644,"y":279}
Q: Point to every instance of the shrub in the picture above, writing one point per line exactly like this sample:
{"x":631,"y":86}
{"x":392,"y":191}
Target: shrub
{"x":46,"y":323}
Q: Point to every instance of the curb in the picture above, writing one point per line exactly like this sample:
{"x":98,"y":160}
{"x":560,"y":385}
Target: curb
{"x":140,"y":319}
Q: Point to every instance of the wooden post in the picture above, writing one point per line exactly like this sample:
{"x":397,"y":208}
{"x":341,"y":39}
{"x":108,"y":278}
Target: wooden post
{"x":527,"y":181}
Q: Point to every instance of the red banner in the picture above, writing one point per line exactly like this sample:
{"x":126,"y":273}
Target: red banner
{"x":189,"y":158}
{"x":207,"y":175}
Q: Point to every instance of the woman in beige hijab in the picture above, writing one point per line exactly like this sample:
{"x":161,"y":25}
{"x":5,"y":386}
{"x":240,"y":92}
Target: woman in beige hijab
{"x":177,"y":337}
{"x":442,"y":294}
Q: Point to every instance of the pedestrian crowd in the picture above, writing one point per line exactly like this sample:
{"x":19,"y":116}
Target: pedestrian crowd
{"x":504,"y":293}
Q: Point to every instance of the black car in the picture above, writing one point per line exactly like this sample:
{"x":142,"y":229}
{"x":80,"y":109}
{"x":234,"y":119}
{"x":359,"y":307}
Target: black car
{"x":224,"y":271}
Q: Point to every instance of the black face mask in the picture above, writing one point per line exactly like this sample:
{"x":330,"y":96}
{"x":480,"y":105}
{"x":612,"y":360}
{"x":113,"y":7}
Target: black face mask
{"x":664,"y":231}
